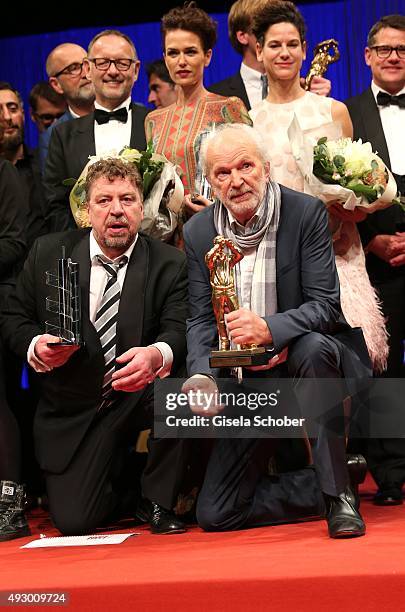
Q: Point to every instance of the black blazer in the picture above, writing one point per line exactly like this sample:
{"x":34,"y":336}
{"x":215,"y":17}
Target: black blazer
{"x":70,"y":146}
{"x":153,"y":307}
{"x":367,"y":126}
{"x":13,"y":215}
{"x":308,"y":292}
{"x":232,"y":86}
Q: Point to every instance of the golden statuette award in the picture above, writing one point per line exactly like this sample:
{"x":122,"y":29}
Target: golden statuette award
{"x":221,"y":260}
{"x":322,"y":59}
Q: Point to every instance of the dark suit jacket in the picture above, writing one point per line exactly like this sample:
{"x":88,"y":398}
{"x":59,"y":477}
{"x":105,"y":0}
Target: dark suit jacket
{"x":307,"y":284}
{"x":367,"y":126}
{"x":232,"y":86}
{"x":153,"y":307}
{"x":31,"y":182}
{"x":13,"y":221}
{"x":70,"y":146}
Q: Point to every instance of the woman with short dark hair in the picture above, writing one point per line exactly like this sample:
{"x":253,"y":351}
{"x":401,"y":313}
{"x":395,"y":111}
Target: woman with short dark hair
{"x":189,"y":35}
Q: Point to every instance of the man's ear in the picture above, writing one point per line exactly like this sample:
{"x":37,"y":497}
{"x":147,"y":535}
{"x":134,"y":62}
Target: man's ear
{"x":242,"y":37}
{"x":367,"y":56}
{"x":54,"y":83}
{"x":137,"y":65}
{"x":86,"y":68}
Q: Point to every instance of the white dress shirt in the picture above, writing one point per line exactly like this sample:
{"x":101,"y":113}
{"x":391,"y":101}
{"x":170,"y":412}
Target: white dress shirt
{"x":98,"y":280}
{"x":393,"y":123}
{"x":72,"y":112}
{"x":114,"y":135}
{"x":252,"y":80}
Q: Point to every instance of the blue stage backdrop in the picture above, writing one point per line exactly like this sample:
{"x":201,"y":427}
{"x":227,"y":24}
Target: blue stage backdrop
{"x":22,"y":58}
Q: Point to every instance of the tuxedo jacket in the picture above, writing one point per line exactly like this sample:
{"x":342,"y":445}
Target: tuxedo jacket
{"x":153,"y":307}
{"x":367,"y":126}
{"x":70,"y":145}
{"x":308,"y":292}
{"x":232,"y":86}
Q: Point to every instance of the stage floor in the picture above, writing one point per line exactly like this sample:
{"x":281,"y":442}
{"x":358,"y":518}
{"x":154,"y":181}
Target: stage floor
{"x":288,"y":567}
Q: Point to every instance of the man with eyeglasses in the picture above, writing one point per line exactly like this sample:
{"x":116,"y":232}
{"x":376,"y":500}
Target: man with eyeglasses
{"x":46,"y":105}
{"x":64,"y":67}
{"x":112,"y":66}
{"x":378,"y":116}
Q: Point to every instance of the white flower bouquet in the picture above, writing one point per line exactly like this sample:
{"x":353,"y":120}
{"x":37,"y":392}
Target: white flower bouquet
{"x":343,"y":171}
{"x":163,"y":191}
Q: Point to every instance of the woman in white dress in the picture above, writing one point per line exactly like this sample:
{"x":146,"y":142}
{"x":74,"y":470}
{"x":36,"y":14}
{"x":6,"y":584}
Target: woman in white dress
{"x":280,"y":31}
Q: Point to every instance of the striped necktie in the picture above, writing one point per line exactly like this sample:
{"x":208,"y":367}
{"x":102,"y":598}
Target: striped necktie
{"x":106,"y":320}
{"x":265,"y":86}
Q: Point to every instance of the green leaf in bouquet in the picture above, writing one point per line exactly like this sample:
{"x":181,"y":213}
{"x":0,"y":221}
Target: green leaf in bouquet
{"x":79,"y":191}
{"x":69,"y":182}
{"x":374,"y":164}
{"x":149,"y":178}
{"x":339,"y":161}
{"x":322,"y":140}
{"x":360,"y":189}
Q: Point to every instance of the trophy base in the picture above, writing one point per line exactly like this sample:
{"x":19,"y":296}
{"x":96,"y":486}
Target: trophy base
{"x":63,"y":343}
{"x":236,"y":358}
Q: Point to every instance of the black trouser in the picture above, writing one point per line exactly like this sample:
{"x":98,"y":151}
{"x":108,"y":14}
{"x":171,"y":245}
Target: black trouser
{"x":10,"y":443}
{"x":237,"y":493}
{"x":89,"y":492}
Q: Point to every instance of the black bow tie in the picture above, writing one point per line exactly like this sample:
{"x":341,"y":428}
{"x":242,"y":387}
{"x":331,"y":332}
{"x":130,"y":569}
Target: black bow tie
{"x":384,"y":99}
{"x":121,"y":114}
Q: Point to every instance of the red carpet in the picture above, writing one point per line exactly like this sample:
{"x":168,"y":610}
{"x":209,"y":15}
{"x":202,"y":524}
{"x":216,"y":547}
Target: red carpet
{"x":288,"y":567}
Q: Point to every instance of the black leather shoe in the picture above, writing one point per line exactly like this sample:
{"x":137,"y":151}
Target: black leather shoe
{"x":389,"y":496}
{"x":344,"y":521}
{"x":161,"y":521}
{"x":357,"y":468}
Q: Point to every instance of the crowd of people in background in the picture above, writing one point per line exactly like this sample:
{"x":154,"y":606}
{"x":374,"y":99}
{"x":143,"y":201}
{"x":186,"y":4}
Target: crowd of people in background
{"x":311,"y":276}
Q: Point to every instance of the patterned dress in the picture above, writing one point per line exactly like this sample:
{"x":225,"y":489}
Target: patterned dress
{"x":177,"y":129}
{"x":360,"y":303}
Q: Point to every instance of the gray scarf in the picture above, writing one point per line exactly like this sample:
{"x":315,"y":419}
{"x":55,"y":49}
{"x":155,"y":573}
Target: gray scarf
{"x":262,"y":236}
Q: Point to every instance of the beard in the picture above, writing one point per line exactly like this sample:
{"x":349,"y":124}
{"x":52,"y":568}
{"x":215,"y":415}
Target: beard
{"x":11,"y":142}
{"x":247,"y":208}
{"x":119,"y":242}
{"x":85,"y":94}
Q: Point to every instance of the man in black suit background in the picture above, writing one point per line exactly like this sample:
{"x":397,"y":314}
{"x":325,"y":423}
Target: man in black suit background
{"x":250,"y":82}
{"x":378,"y":116}
{"x":97,"y":396}
{"x":24,"y":159}
{"x":112,"y":66}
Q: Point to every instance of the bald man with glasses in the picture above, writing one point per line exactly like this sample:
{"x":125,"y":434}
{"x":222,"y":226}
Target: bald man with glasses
{"x":111,"y":67}
{"x":64,"y":67}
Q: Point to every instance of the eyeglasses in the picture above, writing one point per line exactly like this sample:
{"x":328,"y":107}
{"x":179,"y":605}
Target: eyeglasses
{"x":73,"y":69}
{"x":103,"y":63}
{"x":47,"y":117}
{"x":384,"y":51}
